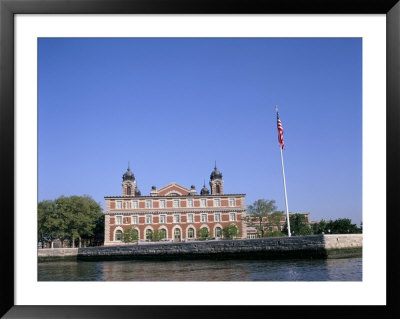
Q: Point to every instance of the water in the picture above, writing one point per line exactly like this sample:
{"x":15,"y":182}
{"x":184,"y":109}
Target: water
{"x":349,"y":269}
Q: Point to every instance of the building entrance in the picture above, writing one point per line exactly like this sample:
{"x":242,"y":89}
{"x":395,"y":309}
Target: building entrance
{"x":177,"y":234}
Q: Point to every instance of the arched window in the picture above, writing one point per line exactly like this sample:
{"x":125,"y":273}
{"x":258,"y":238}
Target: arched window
{"x":190,"y":233}
{"x":149,"y":234}
{"x":118,"y":235}
{"x":128,"y":190}
{"x":218,"y":232}
{"x":218,"y":189}
{"x":177,"y":234}
{"x":163,"y":233}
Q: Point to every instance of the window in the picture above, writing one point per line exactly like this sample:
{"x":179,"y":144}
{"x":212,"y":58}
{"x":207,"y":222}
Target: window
{"x":162,"y":219}
{"x":118,"y":220}
{"x":135,"y":204}
{"x":217,"y":217}
{"x":203,"y":202}
{"x":149,"y":219}
{"x":128,"y":191}
{"x":203,"y":218}
{"x":218,"y":232}
{"x":176,"y":202}
{"x":217,"y":202}
{"x":118,"y":235}
{"x":218,"y":189}
{"x":232,"y":217}
{"x":148,"y":203}
{"x":176,"y":219}
{"x":231,"y":202}
{"x":128,"y":205}
{"x":190,"y":218}
{"x":162,"y":203}
{"x":190,"y":233}
{"x":190,"y":202}
{"x":149,"y":234}
{"x":134,"y":219}
{"x":119,"y":204}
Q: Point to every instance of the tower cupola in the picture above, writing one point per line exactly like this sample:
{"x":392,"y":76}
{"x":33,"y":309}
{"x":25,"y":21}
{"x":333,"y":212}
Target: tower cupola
{"x":128,"y":183}
{"x":216,"y":182}
{"x":204,"y":190}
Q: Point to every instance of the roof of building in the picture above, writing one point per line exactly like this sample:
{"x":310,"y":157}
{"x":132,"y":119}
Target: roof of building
{"x":174,"y":196}
{"x":175,"y":210}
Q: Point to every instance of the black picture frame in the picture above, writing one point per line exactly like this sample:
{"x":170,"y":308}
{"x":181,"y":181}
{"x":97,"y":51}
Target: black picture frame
{"x":8,"y":8}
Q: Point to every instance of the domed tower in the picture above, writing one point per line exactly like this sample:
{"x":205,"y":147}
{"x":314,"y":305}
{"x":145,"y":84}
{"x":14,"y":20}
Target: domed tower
{"x":204,"y":190}
{"x":128,"y":183}
{"x":216,"y":182}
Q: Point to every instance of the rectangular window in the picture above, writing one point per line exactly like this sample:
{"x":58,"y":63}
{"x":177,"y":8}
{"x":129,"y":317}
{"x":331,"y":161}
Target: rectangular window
{"x":231,"y":202}
{"x":134,"y":219}
{"x":135,"y":204}
{"x":148,"y":203}
{"x":128,"y":205}
{"x":149,"y":219}
{"x":190,"y":218}
{"x":163,"y":219}
{"x":217,"y":217}
{"x":204,"y":218}
{"x":118,"y":220}
{"x":162,"y":203}
{"x":190,"y":202}
{"x":176,"y":203}
{"x":177,"y":219}
{"x":217,"y":202}
{"x":232,"y":217}
{"x":119,"y":204}
{"x":203,"y":202}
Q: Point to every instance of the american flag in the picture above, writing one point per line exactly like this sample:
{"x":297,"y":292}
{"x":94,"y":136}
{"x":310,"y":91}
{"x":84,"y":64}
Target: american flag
{"x":280,"y":132}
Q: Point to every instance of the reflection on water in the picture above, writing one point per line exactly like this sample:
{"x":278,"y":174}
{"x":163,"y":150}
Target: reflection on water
{"x":225,"y":270}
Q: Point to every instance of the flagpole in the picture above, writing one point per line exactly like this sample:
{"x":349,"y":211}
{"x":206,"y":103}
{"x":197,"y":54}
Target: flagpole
{"x":284,"y":187}
{"x":284,"y":180}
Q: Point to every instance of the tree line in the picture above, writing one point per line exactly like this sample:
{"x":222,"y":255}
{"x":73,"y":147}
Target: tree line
{"x":75,"y":220}
{"x":264,"y":216}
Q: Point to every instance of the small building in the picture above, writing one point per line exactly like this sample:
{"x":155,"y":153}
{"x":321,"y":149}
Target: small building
{"x":177,"y":213}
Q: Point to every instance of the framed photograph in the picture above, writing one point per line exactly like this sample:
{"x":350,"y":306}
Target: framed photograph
{"x":87,"y":86}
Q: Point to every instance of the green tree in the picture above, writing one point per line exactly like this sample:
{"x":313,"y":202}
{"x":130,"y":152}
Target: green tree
{"x":342,"y":226}
{"x":70,"y":217}
{"x":82,"y":212}
{"x":230,"y":232}
{"x":275,"y":220}
{"x":321,"y":227}
{"x":156,"y":235}
{"x":130,"y":236}
{"x":258,"y":213}
{"x":298,"y":225}
{"x":203,"y":233}
{"x":51,"y":225}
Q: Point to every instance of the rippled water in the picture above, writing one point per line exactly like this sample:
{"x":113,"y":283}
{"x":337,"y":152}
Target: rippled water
{"x":349,"y":269}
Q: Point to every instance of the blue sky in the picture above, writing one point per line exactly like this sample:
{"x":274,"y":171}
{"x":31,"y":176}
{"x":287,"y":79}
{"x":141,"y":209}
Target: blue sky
{"x":173,"y":106}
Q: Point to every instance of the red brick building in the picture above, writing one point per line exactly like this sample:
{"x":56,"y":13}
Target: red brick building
{"x":176,"y":212}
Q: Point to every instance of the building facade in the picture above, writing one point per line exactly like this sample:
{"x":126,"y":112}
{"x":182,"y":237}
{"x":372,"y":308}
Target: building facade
{"x":177,"y":213}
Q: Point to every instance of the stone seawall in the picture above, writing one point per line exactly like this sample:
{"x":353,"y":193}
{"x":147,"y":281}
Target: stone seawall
{"x":314,"y":246}
{"x":343,"y":246}
{"x":47,"y":254}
